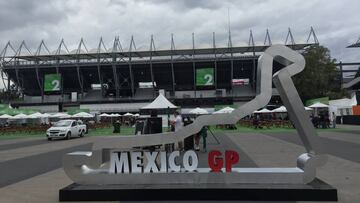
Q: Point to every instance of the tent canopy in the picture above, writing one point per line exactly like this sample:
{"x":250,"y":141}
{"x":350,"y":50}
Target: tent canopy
{"x":60,"y":115}
{"x":318,"y":105}
{"x":114,"y":115}
{"x":5,"y":116}
{"x":225,"y":110}
{"x":37,"y":115}
{"x":82,"y":115}
{"x":160,"y":103}
{"x":264,"y":110}
{"x":105,"y":115}
{"x":281,"y":109}
{"x":198,"y":110}
{"x":344,"y":103}
{"x":128,"y":114}
{"x":20,"y":116}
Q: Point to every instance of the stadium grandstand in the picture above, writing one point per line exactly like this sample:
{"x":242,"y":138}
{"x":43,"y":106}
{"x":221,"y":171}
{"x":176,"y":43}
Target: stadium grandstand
{"x":350,"y":74}
{"x":126,"y":80}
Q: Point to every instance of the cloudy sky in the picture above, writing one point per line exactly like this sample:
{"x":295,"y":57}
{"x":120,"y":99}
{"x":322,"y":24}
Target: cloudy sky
{"x":336,"y":23}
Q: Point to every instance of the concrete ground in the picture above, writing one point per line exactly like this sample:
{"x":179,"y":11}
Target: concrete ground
{"x":31,"y":169}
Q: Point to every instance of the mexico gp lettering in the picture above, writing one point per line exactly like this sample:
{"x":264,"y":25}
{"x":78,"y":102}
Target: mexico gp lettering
{"x":126,"y":162}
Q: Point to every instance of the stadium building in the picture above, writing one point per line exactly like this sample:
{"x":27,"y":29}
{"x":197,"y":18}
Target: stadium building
{"x":114,"y":80}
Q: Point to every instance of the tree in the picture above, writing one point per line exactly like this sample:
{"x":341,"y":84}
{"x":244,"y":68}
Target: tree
{"x":320,"y":77}
{"x":11,"y":94}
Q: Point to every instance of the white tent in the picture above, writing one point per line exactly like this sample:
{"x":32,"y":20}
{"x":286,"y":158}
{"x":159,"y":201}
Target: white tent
{"x":160,"y":103}
{"x":60,"y":115}
{"x":65,"y":116}
{"x":318,"y":105}
{"x":45,"y":115}
{"x":342,"y":106}
{"x":162,"y":107}
{"x":38,"y":115}
{"x":105,"y":115}
{"x":128,"y":114}
{"x":308,"y":108}
{"x":264,"y":110}
{"x":198,"y":111}
{"x":5,"y":116}
{"x":82,"y":115}
{"x":114,"y":115}
{"x":20,"y":116}
{"x":225,"y":110}
{"x":136,"y":115}
{"x":32,"y":116}
{"x":281,"y":109}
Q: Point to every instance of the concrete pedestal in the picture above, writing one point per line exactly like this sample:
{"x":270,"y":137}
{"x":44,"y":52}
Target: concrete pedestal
{"x":314,"y":191}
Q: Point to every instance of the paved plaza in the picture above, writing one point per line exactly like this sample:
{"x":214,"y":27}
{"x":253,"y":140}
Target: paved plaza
{"x":31,"y":168}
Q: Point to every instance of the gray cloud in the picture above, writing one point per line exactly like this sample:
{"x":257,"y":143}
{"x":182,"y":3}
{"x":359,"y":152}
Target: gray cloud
{"x":335,"y":22}
{"x":17,"y":13}
{"x":187,"y":4}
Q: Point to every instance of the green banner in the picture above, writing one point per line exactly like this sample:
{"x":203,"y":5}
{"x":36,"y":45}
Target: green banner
{"x":205,"y":76}
{"x":4,"y":106}
{"x":324,"y":100}
{"x":52,"y":82}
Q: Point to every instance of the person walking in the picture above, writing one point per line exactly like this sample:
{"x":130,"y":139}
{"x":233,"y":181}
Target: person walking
{"x":177,"y":123}
{"x":333,"y":120}
{"x":116,"y":125}
{"x":197,"y":141}
{"x":203,"y":134}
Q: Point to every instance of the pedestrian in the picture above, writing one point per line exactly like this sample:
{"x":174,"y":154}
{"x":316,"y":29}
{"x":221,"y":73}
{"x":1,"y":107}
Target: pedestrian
{"x":197,"y":141}
{"x":327,"y":121}
{"x":322,"y":121}
{"x":177,"y":123}
{"x":116,"y":126}
{"x":256,"y":122}
{"x":333,"y":120}
{"x":203,"y":134}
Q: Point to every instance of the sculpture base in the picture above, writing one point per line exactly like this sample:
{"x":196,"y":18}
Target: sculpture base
{"x":314,"y":191}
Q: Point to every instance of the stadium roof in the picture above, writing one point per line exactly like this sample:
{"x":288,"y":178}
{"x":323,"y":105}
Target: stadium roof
{"x":142,"y":54}
{"x":355,"y":45}
{"x":81,"y":53}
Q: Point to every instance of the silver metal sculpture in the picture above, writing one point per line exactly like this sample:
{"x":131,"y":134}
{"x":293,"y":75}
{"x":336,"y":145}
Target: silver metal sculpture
{"x":93,"y":167}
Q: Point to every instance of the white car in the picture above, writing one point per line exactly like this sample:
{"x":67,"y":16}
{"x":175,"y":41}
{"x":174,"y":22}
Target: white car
{"x":66,"y":129}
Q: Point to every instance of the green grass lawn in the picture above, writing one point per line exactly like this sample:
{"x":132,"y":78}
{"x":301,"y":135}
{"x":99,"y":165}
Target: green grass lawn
{"x":108,"y":131}
{"x":243,"y":129}
{"x":21,"y":135}
{"x":92,"y":132}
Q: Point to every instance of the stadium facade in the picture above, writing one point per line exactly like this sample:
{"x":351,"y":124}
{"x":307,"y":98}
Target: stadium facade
{"x":126,"y":80}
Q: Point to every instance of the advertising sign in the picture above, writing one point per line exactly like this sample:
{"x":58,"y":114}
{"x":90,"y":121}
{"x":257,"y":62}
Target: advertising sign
{"x":205,"y":77}
{"x":52,"y":82}
{"x":240,"y":82}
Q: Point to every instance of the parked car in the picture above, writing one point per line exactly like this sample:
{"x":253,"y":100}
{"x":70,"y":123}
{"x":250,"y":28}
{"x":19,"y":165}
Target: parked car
{"x":66,"y":129}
